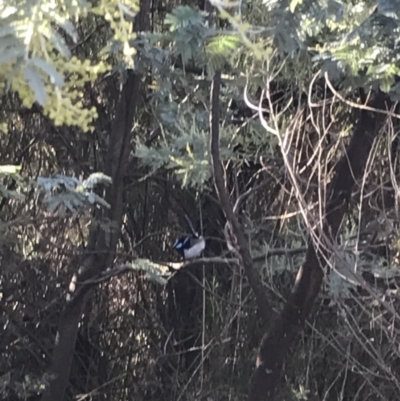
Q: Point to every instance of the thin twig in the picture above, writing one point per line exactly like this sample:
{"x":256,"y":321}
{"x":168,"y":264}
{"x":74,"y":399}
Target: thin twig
{"x":356,"y":105}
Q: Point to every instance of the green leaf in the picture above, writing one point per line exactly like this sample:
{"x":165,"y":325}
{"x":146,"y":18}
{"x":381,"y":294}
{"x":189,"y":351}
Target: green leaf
{"x":57,"y":40}
{"x":70,"y":29}
{"x":55,"y":76}
{"x":9,"y":169}
{"x":223,"y":45}
{"x":293,"y":4}
{"x":62,"y":193}
{"x":8,"y":12}
{"x":35,"y":82}
{"x":9,"y":54}
{"x":183,"y":17}
{"x":126,"y":10}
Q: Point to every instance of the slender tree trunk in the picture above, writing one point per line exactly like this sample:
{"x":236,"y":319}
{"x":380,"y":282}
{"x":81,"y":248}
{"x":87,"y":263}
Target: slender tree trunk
{"x":101,"y":249}
{"x":286,"y":327}
{"x":239,"y":239}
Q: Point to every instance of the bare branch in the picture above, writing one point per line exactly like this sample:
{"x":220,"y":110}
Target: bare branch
{"x":284,"y":329}
{"x":240,"y":241}
{"x":356,"y":105}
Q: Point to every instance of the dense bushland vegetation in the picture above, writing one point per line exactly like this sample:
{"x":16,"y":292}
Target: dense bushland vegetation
{"x":273,"y":126}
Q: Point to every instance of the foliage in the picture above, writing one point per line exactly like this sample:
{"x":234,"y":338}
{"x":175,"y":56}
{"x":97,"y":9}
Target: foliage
{"x":357,"y":44}
{"x":38,"y":63}
{"x":195,"y":41}
{"x":193,"y":332}
{"x":62,"y":194}
{"x":187,"y":150}
{"x":151,"y":270}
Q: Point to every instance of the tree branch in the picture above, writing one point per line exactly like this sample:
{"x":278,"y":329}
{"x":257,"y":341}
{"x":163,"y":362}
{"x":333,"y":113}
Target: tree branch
{"x":284,"y":329}
{"x":240,"y":241}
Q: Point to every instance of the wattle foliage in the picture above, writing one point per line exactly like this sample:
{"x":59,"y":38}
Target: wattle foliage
{"x":37,"y":45}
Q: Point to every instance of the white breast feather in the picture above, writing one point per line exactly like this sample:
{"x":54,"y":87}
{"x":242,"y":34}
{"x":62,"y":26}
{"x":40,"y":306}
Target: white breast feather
{"x":195,"y":250}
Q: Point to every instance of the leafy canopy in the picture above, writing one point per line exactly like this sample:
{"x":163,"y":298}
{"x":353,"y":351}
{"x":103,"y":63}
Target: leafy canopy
{"x":38,"y":57}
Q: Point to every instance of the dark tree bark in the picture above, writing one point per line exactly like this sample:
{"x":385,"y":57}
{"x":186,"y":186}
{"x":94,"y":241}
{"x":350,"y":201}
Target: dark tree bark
{"x":101,"y":249}
{"x":289,"y":323}
{"x":239,"y":239}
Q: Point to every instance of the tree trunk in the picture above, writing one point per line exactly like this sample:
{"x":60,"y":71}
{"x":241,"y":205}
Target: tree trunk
{"x":101,"y":250}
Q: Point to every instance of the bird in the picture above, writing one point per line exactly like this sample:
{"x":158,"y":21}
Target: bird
{"x":190,"y":247}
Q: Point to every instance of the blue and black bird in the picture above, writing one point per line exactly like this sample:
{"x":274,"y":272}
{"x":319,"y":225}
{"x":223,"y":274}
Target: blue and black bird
{"x":190,"y":246}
